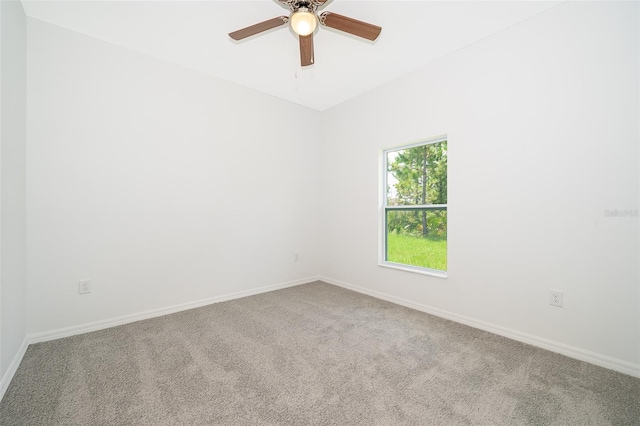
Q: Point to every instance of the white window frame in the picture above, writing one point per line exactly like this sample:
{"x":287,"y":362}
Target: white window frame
{"x":382,"y":226}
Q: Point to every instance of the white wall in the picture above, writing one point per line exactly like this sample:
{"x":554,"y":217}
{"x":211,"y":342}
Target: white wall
{"x":161,"y":185}
{"x":12,"y":177}
{"x":542,"y":121}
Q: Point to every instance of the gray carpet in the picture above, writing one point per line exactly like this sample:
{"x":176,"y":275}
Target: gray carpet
{"x":313,"y":354}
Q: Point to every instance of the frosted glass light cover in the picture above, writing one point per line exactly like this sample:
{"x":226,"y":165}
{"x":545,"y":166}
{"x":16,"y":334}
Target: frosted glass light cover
{"x":303,"y":22}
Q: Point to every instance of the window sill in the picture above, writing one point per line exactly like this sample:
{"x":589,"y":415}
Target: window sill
{"x":414,"y":269}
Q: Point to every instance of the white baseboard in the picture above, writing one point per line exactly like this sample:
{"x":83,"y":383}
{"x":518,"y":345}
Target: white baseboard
{"x":13,"y":367}
{"x":125,"y":319}
{"x":561,"y":348}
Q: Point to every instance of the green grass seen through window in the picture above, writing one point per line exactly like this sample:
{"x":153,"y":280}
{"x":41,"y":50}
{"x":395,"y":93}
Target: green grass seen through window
{"x":427,"y":252}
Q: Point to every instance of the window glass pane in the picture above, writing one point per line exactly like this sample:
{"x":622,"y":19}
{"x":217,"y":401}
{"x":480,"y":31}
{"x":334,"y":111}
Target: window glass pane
{"x":417,"y":237}
{"x":417,"y":175}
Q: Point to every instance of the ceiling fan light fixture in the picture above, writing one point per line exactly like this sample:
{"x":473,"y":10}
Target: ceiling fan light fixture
{"x":303,"y":22}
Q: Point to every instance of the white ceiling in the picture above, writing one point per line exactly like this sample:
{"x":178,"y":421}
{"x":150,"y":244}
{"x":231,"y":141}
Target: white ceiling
{"x":194,"y":34}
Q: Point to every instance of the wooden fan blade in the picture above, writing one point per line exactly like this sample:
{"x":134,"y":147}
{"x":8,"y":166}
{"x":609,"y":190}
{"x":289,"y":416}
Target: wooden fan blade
{"x":306,"y":50}
{"x":259,"y":27}
{"x":350,"y":25}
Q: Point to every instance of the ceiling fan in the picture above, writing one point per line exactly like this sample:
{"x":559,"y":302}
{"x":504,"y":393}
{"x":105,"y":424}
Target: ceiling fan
{"x":304,"y":19}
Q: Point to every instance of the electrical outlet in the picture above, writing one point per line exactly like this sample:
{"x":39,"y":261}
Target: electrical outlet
{"x":555,"y":298}
{"x":84,"y":287}
{"x":296,"y":257}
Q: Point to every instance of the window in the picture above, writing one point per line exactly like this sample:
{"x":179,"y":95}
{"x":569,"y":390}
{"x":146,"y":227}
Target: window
{"x":414,"y":207}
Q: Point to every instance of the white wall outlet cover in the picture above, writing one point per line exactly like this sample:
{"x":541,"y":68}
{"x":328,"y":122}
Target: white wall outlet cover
{"x":555,"y":297}
{"x":84,"y":287}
